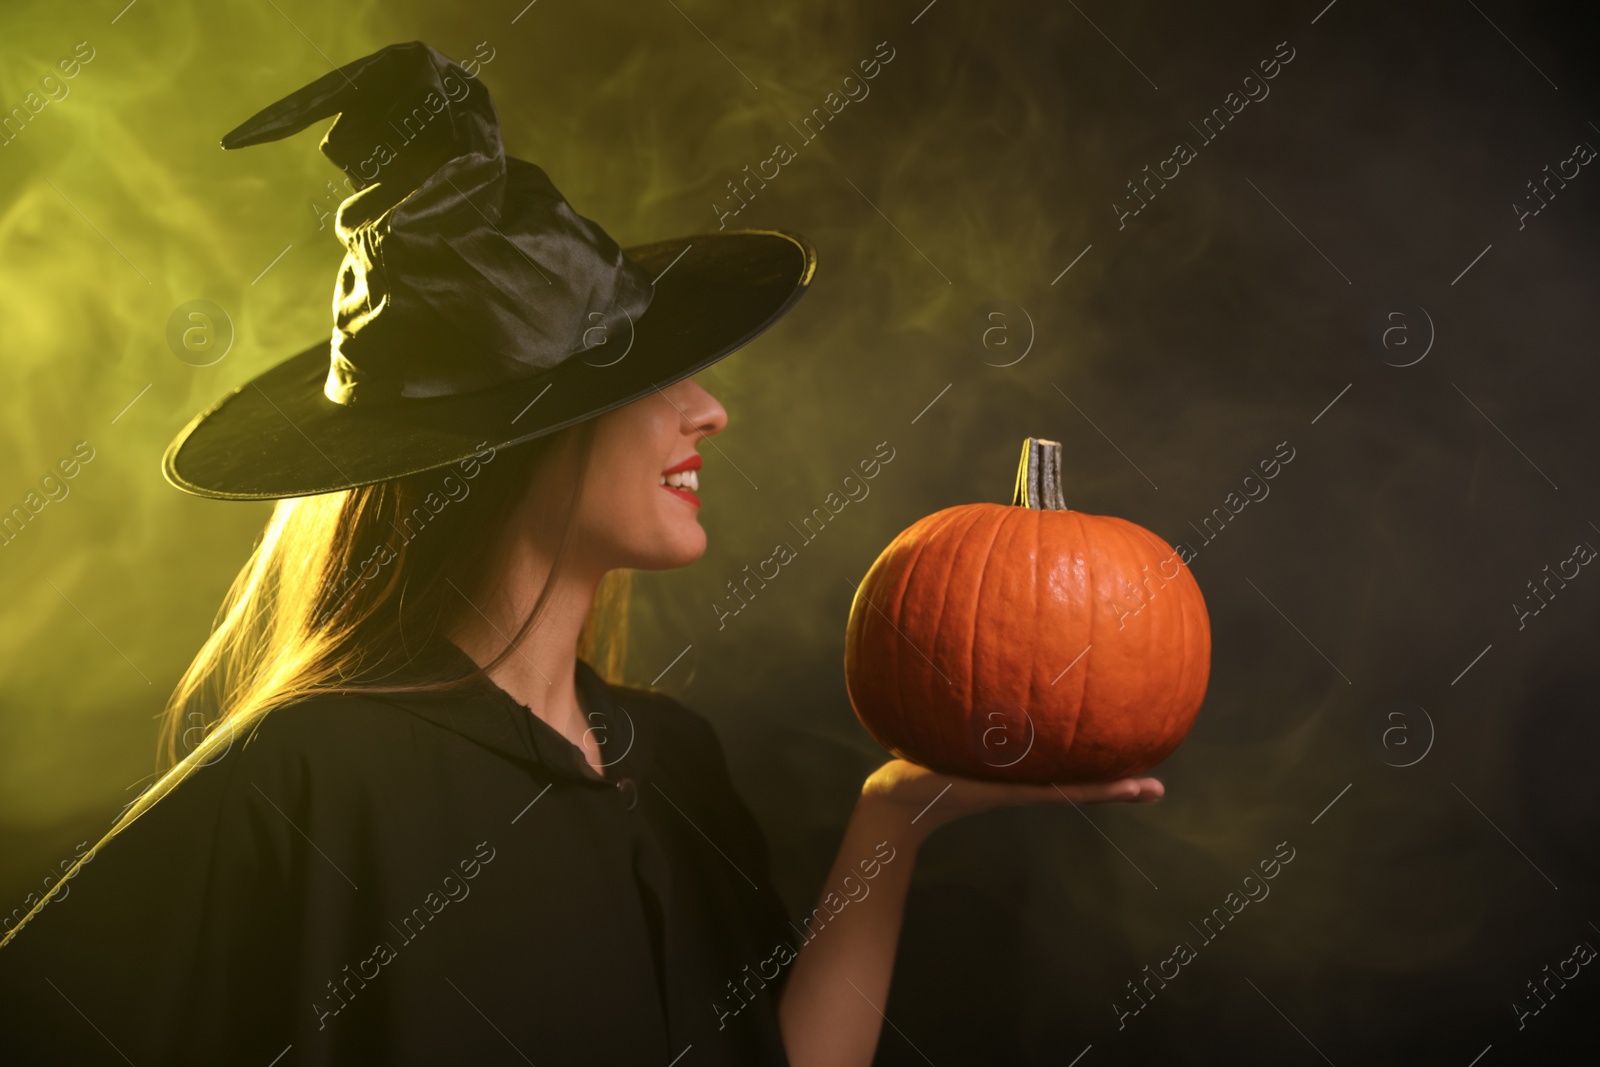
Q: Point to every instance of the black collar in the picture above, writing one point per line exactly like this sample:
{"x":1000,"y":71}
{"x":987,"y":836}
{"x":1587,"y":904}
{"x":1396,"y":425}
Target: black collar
{"x":482,"y":712}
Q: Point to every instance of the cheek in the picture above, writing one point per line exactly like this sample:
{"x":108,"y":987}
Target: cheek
{"x":672,"y":536}
{"x":634,"y":523}
{"x":628,"y":519}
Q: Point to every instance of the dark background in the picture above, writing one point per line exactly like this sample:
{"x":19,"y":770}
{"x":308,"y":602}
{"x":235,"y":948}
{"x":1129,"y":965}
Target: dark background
{"x":1197,"y":338}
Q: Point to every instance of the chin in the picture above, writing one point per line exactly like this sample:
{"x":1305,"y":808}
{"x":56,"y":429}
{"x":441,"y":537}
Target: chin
{"x":692,"y":547}
{"x":679,"y":548}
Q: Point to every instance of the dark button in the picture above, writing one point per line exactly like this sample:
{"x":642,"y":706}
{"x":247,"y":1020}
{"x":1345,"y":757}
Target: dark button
{"x":629,"y":793}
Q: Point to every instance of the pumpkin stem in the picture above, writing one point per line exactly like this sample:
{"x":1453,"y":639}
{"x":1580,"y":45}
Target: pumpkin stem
{"x":1039,"y":476}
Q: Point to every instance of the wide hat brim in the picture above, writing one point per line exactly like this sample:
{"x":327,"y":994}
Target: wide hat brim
{"x":280,"y":436}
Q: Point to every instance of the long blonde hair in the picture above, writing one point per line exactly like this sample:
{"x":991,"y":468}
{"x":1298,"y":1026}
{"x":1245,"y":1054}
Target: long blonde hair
{"x":342,"y":588}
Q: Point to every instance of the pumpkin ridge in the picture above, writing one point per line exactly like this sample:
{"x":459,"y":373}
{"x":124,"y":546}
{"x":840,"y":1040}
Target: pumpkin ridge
{"x":1179,"y":689}
{"x":1202,"y":660}
{"x":890,"y":611}
{"x":1190,"y":664}
{"x":1136,"y":546}
{"x":1182,"y":672}
{"x":954,"y":733}
{"x":973,"y":516}
{"x":977,"y":613}
{"x":864,"y":592}
{"x":907,"y":582}
{"x":1190,"y":668}
{"x":1033,"y":635}
{"x":1094,"y":610}
{"x":1193,"y":664}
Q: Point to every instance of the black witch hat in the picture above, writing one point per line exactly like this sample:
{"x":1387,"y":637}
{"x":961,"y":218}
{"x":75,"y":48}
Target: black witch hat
{"x":474,"y":306}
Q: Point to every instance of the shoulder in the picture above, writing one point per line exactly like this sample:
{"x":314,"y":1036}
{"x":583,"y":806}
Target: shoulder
{"x":228,"y":807}
{"x":316,"y":725}
{"x":322,"y":766}
{"x":343,"y":738}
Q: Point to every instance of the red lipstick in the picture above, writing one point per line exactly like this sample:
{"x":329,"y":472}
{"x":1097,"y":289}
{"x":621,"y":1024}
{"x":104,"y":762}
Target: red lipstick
{"x":690,"y":463}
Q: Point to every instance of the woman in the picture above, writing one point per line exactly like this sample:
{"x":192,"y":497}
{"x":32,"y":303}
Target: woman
{"x":421,"y":826}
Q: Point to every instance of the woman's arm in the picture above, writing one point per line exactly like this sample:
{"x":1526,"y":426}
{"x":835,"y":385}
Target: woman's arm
{"x":831,"y":1009}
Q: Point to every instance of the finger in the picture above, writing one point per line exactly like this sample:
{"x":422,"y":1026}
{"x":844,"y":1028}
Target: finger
{"x":1151,"y":790}
{"x":1124,"y":790}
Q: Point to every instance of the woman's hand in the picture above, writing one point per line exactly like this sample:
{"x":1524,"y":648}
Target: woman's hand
{"x":929,"y":799}
{"x":829,"y":1011}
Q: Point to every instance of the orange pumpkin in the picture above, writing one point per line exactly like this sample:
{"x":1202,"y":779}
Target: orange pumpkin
{"x":1028,"y":642}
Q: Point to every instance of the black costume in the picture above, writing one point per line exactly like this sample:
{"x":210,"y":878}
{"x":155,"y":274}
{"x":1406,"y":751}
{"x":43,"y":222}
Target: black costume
{"x":433,"y":878}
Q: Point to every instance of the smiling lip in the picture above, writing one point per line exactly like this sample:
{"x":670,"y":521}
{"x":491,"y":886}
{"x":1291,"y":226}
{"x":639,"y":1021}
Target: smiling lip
{"x":691,"y":463}
{"x":684,"y":493}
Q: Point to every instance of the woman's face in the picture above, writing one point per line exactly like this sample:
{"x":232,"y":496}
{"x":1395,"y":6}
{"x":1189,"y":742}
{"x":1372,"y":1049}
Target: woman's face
{"x":640,"y":502}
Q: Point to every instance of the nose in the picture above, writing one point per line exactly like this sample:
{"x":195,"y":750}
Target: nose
{"x":702,"y":414}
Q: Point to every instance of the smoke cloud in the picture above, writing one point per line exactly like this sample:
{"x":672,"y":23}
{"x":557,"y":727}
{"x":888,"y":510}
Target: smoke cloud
{"x":1171,"y":327}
